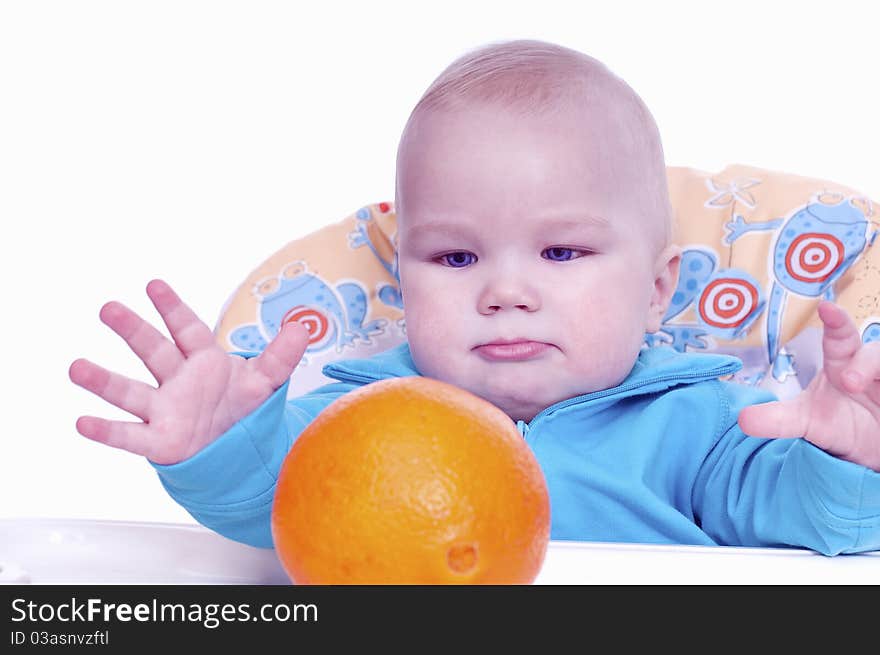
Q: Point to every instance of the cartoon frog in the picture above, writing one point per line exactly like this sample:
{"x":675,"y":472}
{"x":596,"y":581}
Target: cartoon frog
{"x":369,"y":234}
{"x":726,"y":301}
{"x":813,"y":247}
{"x":333,"y":315}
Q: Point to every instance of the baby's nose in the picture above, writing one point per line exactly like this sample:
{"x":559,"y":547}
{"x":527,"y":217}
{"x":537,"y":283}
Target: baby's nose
{"x":508,"y":294}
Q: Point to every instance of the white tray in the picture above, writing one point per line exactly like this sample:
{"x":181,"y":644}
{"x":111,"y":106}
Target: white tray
{"x":78,"y":551}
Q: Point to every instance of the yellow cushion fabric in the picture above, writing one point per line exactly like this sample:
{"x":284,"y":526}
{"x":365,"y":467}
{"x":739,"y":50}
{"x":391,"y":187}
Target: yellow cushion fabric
{"x":761,"y":249}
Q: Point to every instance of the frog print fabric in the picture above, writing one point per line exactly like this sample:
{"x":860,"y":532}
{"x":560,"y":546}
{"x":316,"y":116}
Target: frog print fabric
{"x":760,"y":249}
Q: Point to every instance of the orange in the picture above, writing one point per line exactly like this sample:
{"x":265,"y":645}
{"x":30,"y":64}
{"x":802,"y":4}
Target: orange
{"x":411,"y":481}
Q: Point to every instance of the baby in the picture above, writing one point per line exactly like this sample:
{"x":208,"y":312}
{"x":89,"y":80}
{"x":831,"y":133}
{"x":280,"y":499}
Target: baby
{"x":535,"y":252}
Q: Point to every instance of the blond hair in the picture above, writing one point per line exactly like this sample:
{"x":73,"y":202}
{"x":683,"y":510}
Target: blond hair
{"x":536,"y":77}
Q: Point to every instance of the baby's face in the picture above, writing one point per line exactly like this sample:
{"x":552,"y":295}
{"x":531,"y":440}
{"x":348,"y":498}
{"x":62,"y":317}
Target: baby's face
{"x":511,"y":234}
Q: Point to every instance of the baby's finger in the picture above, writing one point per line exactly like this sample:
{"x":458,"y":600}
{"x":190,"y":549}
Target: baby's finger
{"x":188,"y":331}
{"x":161,"y":357}
{"x":122,"y":392}
{"x":283,"y":353}
{"x":133,"y":437}
{"x":863,"y":369}
{"x":840,"y":339}
{"x":780,"y":419}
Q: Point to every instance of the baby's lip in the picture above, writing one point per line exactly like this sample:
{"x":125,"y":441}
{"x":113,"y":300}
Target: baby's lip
{"x":511,"y":350}
{"x":504,"y":342}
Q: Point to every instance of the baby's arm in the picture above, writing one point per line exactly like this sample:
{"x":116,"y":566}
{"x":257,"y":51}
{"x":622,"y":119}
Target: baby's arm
{"x":230,"y":485}
{"x":783,"y":492}
{"x":202,"y":390}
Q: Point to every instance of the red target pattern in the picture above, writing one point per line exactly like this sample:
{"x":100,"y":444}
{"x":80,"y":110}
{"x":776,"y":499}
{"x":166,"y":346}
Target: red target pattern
{"x":315,"y":322}
{"x":813,"y":257}
{"x":727,"y":302}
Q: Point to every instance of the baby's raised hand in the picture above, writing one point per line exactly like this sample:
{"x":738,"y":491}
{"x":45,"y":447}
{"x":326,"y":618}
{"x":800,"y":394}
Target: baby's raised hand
{"x":840,"y":409}
{"x":202,"y":390}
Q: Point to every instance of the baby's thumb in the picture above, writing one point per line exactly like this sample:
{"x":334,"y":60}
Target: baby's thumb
{"x":780,"y":419}
{"x":283,"y":353}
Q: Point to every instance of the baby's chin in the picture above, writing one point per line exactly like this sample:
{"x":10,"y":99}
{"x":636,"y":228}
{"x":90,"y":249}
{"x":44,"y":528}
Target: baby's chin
{"x":521,"y":390}
{"x":519,"y":402}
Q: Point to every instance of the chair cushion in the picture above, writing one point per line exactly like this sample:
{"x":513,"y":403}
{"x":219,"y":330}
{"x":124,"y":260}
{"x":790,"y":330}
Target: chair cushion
{"x":760,"y":250}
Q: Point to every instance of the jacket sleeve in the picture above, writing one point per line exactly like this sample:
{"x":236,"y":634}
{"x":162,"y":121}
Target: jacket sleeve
{"x":229,"y":485}
{"x":783,"y":492}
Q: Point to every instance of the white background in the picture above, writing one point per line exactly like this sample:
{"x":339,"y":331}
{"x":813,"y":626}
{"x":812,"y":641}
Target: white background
{"x":190,"y":140}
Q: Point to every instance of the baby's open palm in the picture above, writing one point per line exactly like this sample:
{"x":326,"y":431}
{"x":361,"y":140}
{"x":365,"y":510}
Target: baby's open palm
{"x":202,"y":390}
{"x":840,"y":409}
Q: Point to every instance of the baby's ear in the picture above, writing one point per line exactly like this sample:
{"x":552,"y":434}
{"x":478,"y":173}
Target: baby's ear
{"x":665,"y":282}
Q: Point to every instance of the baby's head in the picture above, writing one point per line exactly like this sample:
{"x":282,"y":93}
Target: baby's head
{"x":532,"y":205}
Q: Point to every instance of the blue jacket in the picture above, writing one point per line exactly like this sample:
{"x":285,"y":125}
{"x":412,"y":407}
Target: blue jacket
{"x":657,"y":459}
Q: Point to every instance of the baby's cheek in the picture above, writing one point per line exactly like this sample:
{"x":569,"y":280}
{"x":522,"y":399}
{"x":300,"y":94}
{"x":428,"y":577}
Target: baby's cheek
{"x":602,"y":351}
{"x":433,"y":329}
{"x":427,"y":318}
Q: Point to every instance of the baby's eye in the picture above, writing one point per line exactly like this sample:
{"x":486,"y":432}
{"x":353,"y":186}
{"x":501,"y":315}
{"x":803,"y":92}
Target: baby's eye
{"x":458,"y":259}
{"x":560,"y":254}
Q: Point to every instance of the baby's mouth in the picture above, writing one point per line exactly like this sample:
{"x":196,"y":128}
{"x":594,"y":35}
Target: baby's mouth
{"x":516,"y":350}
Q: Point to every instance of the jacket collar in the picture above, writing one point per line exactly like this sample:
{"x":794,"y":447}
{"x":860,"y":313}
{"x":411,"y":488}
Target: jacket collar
{"x":657,"y":368}
{"x":393,"y":363}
